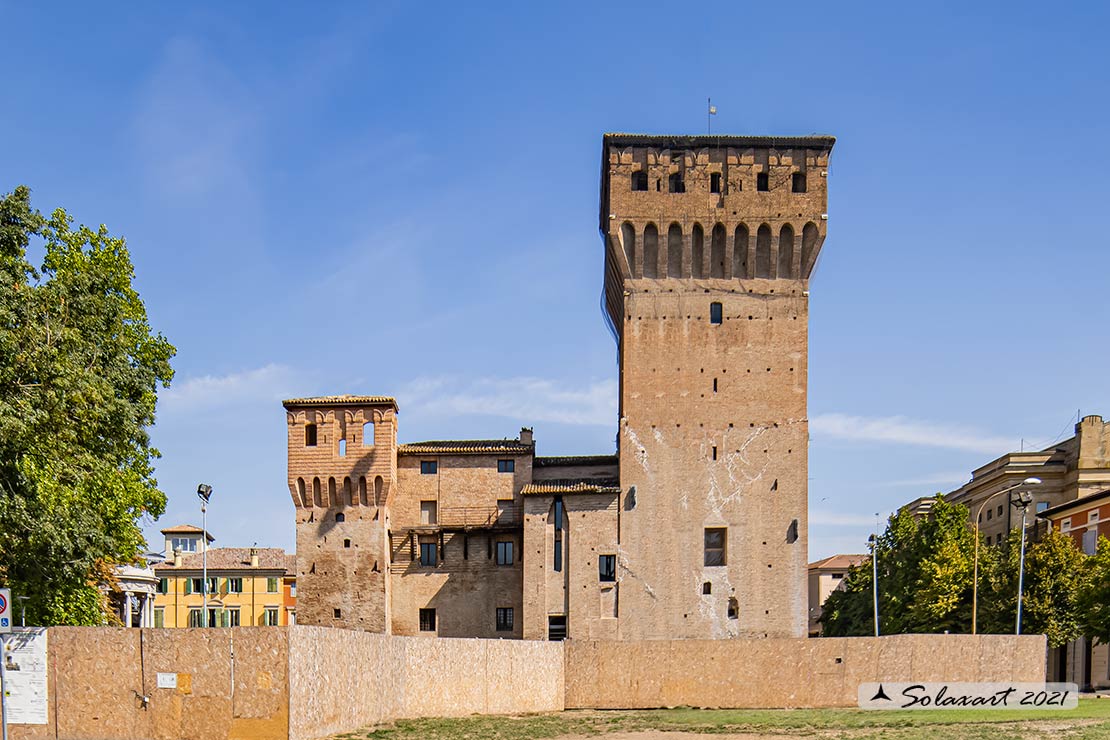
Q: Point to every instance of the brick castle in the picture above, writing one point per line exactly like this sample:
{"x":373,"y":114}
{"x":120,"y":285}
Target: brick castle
{"x":696,"y":528}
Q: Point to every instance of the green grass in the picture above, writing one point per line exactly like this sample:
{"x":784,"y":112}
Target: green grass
{"x":1090,"y":721}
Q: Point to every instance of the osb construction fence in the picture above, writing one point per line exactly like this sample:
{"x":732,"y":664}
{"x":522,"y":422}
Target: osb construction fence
{"x":822,"y":672}
{"x":301,"y":683}
{"x":273,"y":683}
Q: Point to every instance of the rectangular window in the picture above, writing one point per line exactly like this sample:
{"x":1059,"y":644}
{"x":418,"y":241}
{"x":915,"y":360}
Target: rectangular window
{"x":163,"y":585}
{"x":197,"y":585}
{"x":427,"y":620}
{"x":837,"y":576}
{"x":342,"y":448}
{"x":1090,"y":541}
{"x":676,"y":184}
{"x":270,"y":616}
{"x":716,"y":313}
{"x":1000,"y":509}
{"x":271,"y":585}
{"x":309,"y":435}
{"x":506,"y":466}
{"x":195,"y":619}
{"x":607,"y":568}
{"x":1092,"y":516}
{"x":428,"y":553}
{"x":159,"y":616}
{"x":504,"y":619}
{"x":213,"y":585}
{"x":235,"y":585}
{"x":557,"y":515}
{"x":715,"y":182}
{"x":762,"y":182}
{"x":557,"y":627}
{"x":1065,"y":525}
{"x":428,"y":512}
{"x":715,"y":546}
{"x":428,"y":467}
{"x":293,"y":589}
{"x":798,"y":182}
{"x":184,"y":544}
{"x":639,"y":181}
{"x":232,"y":617}
{"x":990,"y":514}
{"x":1041,"y":506}
{"x":504,"y":553}
{"x":558,"y":560}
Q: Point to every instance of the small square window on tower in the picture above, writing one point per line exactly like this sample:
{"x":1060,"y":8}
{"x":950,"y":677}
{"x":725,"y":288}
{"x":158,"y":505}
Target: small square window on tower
{"x":506,"y":466}
{"x":309,"y":435}
{"x":676,"y":184}
{"x":798,"y":182}
{"x":607,"y":568}
{"x":762,"y":182}
{"x":716,"y":313}
{"x":639,"y":181}
{"x":428,"y":467}
{"x":427,"y":620}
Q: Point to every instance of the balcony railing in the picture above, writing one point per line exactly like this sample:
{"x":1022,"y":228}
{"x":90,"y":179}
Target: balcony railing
{"x":479,"y":517}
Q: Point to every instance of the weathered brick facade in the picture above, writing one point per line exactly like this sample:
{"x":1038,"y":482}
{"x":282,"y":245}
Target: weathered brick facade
{"x":697,"y":527}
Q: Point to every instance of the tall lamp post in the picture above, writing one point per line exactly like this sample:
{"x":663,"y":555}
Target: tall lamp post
{"x":874,"y":541}
{"x":204,"y":492}
{"x":978,"y":516}
{"x":1021,"y":502}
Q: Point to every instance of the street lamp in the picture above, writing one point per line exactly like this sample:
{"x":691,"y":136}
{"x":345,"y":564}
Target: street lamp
{"x":978,"y":516}
{"x":1022,"y":502}
{"x":874,"y":542}
{"x":204,"y":492}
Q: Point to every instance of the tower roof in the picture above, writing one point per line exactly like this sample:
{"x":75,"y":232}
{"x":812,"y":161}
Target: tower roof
{"x":686,"y":141}
{"x":341,"y":400}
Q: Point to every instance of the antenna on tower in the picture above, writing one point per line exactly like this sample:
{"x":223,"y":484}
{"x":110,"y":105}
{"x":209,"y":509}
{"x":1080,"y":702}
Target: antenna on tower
{"x":711,"y":111}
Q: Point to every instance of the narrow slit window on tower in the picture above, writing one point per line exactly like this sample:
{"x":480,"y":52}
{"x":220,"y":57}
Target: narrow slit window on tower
{"x":714,"y":385}
{"x":762,"y":182}
{"x":798,"y":182}
{"x":337,"y":613}
{"x":676,"y":184}
{"x":714,"y":452}
{"x":707,"y":588}
{"x":368,"y":434}
{"x":715,"y":182}
{"x":716,"y":313}
{"x":640,"y":181}
{"x":342,"y":448}
{"x":792,"y":532}
{"x":340,"y":517}
{"x":309,"y":435}
{"x":346,"y":543}
{"x":733,"y":608}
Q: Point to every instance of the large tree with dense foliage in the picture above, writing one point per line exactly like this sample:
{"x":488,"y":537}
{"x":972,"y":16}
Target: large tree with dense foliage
{"x":1055,"y":573}
{"x":79,"y":373}
{"x":1093,"y":601}
{"x":924,"y":567}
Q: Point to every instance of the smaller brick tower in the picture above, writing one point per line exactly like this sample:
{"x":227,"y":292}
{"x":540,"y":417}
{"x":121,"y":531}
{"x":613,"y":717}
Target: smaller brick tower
{"x":342,"y":470}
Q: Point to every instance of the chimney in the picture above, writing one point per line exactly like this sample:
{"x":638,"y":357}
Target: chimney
{"x":526,"y":435}
{"x":254,"y":557}
{"x":177,"y":558}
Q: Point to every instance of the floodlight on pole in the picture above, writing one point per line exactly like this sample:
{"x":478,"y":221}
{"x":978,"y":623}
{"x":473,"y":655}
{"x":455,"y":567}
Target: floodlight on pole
{"x":1022,"y":502}
{"x":204,"y":493}
{"x":978,"y":516}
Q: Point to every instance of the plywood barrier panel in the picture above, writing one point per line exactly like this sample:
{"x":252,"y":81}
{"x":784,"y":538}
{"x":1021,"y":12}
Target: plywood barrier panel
{"x":784,"y":672}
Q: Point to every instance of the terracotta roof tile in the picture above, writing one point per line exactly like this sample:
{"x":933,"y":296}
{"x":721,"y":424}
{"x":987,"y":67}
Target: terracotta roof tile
{"x":343,"y":400}
{"x":567,"y":460}
{"x":572,"y":485}
{"x":232,"y":558}
{"x":838,"y":561}
{"x":187,"y":529}
{"x":466,"y":447}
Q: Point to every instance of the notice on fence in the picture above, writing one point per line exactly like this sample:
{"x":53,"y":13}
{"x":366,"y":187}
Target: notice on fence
{"x":25,"y":675}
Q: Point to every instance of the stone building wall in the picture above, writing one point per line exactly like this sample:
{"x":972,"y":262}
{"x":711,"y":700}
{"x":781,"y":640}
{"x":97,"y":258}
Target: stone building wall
{"x":341,"y":488}
{"x":708,"y":294}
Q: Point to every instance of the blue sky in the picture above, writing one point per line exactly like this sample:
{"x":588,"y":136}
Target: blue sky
{"x":401,"y":199}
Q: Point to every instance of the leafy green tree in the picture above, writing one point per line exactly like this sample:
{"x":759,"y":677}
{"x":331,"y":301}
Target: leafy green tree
{"x":1093,"y":602}
{"x":79,"y":373}
{"x":1055,"y":573}
{"x":925,"y":578}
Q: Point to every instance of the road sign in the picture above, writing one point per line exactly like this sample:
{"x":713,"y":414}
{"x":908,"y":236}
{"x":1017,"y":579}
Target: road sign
{"x":5,"y":610}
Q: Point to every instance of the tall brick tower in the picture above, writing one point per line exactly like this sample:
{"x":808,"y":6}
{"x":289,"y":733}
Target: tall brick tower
{"x":709,"y":245}
{"x":342,"y":472}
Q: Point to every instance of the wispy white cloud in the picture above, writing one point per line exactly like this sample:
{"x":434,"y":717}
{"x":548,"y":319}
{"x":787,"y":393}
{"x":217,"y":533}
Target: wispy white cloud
{"x":526,"y":398}
{"x":938,"y":479}
{"x":902,"y":430}
{"x":268,"y":383}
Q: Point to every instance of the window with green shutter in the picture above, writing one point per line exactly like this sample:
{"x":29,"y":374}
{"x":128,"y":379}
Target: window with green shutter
{"x":271,"y":585}
{"x":159,"y":616}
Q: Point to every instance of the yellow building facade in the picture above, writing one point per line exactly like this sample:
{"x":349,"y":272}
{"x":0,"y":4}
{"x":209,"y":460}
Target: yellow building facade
{"x":247,"y":586}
